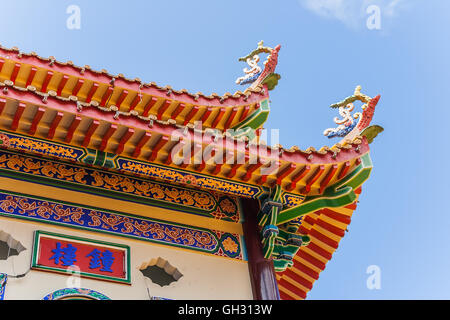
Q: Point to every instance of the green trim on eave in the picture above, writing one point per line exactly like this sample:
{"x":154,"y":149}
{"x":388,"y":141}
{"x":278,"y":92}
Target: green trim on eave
{"x":257,"y":118}
{"x":337,"y":195}
{"x":271,"y":81}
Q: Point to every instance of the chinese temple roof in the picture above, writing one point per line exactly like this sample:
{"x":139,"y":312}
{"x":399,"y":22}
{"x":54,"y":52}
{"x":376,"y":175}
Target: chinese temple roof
{"x":129,"y":126}
{"x":124,"y":95}
{"x":78,"y":112}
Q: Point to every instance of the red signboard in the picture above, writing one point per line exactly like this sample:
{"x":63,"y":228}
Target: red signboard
{"x":95,"y":259}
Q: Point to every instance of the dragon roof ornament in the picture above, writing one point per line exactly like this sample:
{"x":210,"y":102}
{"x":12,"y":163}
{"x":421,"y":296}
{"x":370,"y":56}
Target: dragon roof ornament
{"x":255,"y":74}
{"x":348,"y":127}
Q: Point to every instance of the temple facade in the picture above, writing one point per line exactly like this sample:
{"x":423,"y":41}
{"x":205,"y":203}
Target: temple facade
{"x":112,"y":188}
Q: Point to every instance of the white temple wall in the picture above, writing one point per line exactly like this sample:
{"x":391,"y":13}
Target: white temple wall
{"x":204,"y":276}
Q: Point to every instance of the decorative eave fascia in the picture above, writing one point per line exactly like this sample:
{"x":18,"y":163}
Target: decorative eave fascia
{"x":133,"y":84}
{"x":129,"y":95}
{"x":297,"y":172}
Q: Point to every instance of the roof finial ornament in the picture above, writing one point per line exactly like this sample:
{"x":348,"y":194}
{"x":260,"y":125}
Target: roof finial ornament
{"x":346,"y":124}
{"x":250,"y":74}
{"x":255,"y":74}
{"x":347,"y":127}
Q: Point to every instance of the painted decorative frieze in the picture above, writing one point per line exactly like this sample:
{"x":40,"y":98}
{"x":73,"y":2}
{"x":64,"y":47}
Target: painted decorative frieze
{"x":197,"y":180}
{"x":291,"y":200}
{"x":98,"y":220}
{"x":122,"y":187}
{"x":47,"y":148}
{"x":111,"y":161}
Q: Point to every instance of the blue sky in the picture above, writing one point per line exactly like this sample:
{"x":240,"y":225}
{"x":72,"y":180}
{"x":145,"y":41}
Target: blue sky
{"x":402,"y":222}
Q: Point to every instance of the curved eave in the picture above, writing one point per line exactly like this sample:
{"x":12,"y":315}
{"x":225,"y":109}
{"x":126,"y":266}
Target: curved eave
{"x":52,"y":118}
{"x":162,"y":103}
{"x":326,"y":228}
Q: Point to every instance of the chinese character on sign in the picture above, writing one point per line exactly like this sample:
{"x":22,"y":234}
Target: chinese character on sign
{"x":66,"y":255}
{"x":95,"y":259}
{"x":80,"y":257}
{"x":106,"y":260}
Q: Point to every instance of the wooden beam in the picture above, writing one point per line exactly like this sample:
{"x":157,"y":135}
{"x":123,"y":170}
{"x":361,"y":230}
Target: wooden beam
{"x":190,"y":115}
{"x":87,"y":137}
{"x":252,"y":168}
{"x":231,"y":118}
{"x":161,"y":142}
{"x":328,"y":177}
{"x":187,"y":160}
{"x":219,"y":117}
{"x":344,"y":169}
{"x":31,"y":76}
{"x":2,"y":105}
{"x":163,"y":109}
{"x":107,"y":136}
{"x":92,"y":92}
{"x":19,"y":111}
{"x":73,"y":127}
{"x":62,"y":84}
{"x":15,"y":72}
{"x":263,"y":177}
{"x":236,"y":166}
{"x":169,"y":158}
{"x":285,"y":172}
{"x":124,"y":140}
{"x":206,"y":114}
{"x":145,"y":137}
{"x":36,"y":119}
{"x":106,"y":96}
{"x":313,"y":178}
{"x":135,"y":101}
{"x":47,"y":79}
{"x":54,"y":125}
{"x":216,"y":169}
{"x":303,"y":172}
{"x":77,"y":87}
{"x":177,"y":111}
{"x":244,"y":113}
{"x":149,"y":106}
{"x":200,"y":167}
{"x":122,"y":97}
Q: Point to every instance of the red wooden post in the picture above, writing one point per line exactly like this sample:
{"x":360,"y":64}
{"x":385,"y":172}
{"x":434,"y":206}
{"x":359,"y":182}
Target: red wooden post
{"x":262,"y":273}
